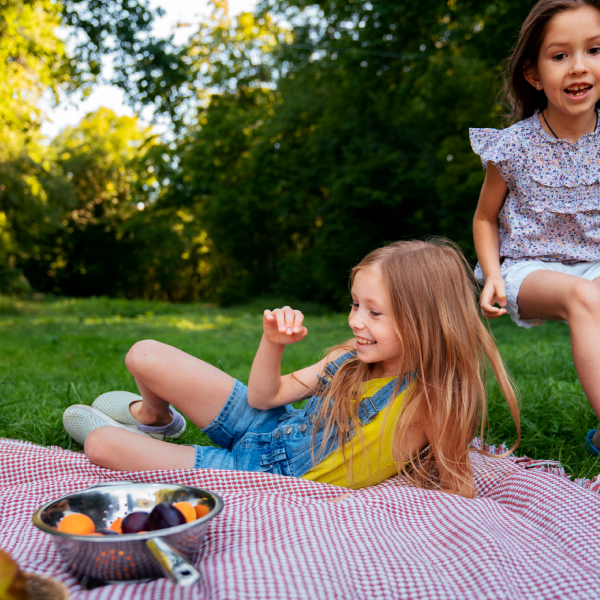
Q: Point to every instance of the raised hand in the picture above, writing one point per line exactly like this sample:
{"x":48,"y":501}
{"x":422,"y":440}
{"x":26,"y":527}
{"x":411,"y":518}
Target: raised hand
{"x":284,"y":326}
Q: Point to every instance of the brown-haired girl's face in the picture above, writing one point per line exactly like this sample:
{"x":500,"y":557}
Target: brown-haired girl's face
{"x":568,"y":68}
{"x":372,"y":323}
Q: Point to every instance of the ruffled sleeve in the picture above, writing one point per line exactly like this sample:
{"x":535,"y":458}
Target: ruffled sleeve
{"x":496,"y":146}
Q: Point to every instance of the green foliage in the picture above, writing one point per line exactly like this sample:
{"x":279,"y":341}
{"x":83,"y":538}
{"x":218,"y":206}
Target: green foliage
{"x":351,"y":132}
{"x":120,"y":28}
{"x":34,"y":61}
{"x":114,"y":238}
{"x":34,"y":58}
{"x":302,"y":137}
{"x":224,"y":56}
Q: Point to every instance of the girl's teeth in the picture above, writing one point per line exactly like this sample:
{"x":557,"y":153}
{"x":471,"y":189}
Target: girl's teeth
{"x":578,"y":91}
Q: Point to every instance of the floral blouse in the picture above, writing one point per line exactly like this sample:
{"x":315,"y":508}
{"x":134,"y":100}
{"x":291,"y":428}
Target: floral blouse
{"x":552,"y":210}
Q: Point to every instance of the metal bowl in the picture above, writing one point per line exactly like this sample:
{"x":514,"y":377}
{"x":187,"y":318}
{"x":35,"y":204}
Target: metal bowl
{"x":134,"y":556}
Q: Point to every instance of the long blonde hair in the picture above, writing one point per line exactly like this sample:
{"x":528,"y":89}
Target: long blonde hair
{"x":431,"y":292}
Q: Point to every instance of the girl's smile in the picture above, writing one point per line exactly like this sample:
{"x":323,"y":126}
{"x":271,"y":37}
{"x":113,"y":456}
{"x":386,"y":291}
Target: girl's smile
{"x":579,"y":90}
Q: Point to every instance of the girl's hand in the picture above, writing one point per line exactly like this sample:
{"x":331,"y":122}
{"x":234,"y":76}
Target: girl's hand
{"x":284,"y":326}
{"x":494,"y":291}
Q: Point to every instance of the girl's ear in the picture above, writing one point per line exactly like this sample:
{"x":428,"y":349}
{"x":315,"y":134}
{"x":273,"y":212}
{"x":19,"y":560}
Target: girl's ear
{"x":532,"y":76}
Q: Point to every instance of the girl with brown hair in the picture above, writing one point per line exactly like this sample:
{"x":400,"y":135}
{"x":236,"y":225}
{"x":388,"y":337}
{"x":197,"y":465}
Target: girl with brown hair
{"x":537,"y":224}
{"x":405,"y":394}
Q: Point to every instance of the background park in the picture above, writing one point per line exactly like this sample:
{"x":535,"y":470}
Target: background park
{"x":282,"y":145}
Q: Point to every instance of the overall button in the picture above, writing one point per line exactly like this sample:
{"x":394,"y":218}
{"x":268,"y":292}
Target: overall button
{"x":288,"y":430}
{"x":303,"y":427}
{"x":277,"y":434}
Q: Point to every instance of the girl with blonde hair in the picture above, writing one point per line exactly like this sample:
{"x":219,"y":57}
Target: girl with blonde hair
{"x":406,"y":394}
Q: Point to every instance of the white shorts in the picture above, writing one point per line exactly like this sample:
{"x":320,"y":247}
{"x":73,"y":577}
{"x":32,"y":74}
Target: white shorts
{"x":515,"y":274}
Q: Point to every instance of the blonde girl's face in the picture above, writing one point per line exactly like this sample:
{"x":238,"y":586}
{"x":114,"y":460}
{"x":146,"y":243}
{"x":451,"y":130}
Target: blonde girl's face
{"x":371,"y":322}
{"x":568,"y":68}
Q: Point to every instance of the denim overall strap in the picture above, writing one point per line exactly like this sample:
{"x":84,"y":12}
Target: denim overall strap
{"x":332,"y":368}
{"x":370,"y":407}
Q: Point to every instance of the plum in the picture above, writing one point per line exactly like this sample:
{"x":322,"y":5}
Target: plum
{"x":165,"y":515}
{"x":135,"y":522}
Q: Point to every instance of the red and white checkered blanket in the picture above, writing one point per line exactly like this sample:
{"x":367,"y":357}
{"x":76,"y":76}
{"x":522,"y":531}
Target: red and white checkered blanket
{"x":530,"y":534}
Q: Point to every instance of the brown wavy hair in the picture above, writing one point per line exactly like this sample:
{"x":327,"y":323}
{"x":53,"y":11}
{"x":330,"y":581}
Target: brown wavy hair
{"x":431,"y":292}
{"x":521,"y":99}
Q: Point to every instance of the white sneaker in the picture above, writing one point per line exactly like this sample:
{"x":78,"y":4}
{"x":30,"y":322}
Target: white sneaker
{"x":115,"y":405}
{"x":80,"y":420}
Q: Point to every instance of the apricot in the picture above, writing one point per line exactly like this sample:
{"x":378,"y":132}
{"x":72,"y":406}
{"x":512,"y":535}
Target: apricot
{"x":117,"y":525}
{"x":187,"y":510}
{"x":201,"y":510}
{"x":76,"y":524}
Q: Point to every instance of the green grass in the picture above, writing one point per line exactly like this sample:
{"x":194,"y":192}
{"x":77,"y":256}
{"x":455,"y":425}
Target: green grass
{"x":58,"y":352}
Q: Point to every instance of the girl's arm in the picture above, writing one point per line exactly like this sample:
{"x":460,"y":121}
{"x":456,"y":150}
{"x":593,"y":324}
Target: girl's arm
{"x":266,"y":387}
{"x":485,"y":234}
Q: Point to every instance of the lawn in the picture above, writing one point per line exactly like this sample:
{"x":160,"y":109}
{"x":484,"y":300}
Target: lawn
{"x":58,"y":352}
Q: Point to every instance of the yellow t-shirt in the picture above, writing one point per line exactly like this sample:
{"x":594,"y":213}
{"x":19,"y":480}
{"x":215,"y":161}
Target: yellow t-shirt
{"x":368,"y":467}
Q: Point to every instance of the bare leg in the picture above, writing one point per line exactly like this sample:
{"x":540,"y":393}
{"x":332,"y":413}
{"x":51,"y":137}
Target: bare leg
{"x":122,"y":450}
{"x":166,"y":375}
{"x":561,"y":297}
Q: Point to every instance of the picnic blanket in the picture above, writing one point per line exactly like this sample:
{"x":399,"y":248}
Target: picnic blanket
{"x":530,"y":534}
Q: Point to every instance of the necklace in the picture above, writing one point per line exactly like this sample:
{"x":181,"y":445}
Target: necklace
{"x":552,"y":131}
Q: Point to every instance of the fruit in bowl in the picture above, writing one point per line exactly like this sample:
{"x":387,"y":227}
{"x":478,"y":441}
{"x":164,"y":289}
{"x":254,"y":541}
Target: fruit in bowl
{"x":162,"y":516}
{"x":169,"y":552}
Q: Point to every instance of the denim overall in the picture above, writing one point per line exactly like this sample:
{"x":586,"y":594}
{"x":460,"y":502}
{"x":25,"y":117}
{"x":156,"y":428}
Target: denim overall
{"x":279,"y":440}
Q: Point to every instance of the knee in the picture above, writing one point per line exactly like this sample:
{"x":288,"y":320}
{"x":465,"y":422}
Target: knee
{"x":141,"y":355}
{"x":99,"y":446}
{"x":584,"y":299}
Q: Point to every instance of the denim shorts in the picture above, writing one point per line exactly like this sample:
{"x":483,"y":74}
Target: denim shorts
{"x":515,"y":275}
{"x":243,"y":434}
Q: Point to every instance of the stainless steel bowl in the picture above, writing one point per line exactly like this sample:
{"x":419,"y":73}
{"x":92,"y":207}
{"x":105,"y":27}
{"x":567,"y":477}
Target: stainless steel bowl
{"x":134,"y":556}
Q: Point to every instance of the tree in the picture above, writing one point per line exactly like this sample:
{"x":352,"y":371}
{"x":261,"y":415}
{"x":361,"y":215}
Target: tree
{"x":302,"y":137}
{"x":99,"y":160}
{"x":365,"y":141}
{"x":34,"y":61}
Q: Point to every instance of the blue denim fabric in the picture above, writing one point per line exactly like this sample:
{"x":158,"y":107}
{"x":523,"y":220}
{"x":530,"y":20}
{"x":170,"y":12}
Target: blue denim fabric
{"x":278,"y":440}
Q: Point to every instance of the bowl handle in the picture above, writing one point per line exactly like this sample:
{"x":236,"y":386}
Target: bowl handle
{"x":178,"y":569}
